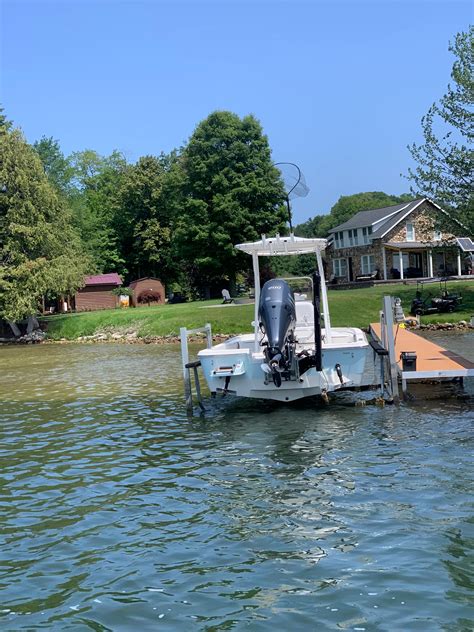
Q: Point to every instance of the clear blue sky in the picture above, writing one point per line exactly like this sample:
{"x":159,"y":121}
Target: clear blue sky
{"x":339,"y":86}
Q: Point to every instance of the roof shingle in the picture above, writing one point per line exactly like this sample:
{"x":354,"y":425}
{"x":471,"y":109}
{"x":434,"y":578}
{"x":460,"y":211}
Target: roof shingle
{"x":370,"y":217}
{"x":112,"y":278}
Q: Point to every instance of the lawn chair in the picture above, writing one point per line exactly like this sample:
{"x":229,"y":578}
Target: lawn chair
{"x":227,"y":297}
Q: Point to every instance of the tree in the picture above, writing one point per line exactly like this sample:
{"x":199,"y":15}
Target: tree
{"x":5,"y":124}
{"x":93,"y":198}
{"x":143,"y":223}
{"x":445,"y":163}
{"x":56,"y":166}
{"x":231,"y":193}
{"x":39,"y":251}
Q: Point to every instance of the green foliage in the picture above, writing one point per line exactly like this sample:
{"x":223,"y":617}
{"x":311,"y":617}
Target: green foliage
{"x":143,"y":220}
{"x":122,"y":291}
{"x":56,"y":166}
{"x":93,"y":198}
{"x":5,"y":124}
{"x":231,"y":193}
{"x":39,"y":250}
{"x":445,"y":163}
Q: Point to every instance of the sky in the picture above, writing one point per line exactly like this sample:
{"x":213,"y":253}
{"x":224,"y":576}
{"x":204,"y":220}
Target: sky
{"x":339,"y":86}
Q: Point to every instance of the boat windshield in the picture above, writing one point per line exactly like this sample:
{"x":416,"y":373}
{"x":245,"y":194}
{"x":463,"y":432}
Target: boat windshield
{"x":302,"y":287}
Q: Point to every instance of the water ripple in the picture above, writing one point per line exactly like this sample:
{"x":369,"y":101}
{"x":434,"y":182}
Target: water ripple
{"x":119,"y":511}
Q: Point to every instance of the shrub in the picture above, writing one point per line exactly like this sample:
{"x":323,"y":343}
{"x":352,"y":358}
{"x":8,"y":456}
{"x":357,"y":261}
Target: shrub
{"x":149,"y":296}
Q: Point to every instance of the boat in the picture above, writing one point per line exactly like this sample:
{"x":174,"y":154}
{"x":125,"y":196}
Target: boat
{"x":293,"y":351}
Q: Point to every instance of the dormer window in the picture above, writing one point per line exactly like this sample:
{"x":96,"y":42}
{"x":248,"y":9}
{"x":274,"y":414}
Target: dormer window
{"x":366,"y":232}
{"x":410,"y":232}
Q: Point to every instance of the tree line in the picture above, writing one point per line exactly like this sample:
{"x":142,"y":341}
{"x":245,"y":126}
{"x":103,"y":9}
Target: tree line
{"x":176,"y":216}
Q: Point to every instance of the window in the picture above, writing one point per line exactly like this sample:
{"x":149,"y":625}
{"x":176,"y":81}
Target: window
{"x":410,"y":232}
{"x":367,"y":264}
{"x":366,"y":232}
{"x":339,"y":240}
{"x":339,"y":267}
{"x":353,"y":239}
{"x":437,"y":236}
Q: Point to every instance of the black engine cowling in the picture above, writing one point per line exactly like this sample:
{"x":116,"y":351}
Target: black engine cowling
{"x":277,"y":319}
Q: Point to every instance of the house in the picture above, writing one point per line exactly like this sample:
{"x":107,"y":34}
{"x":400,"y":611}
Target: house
{"x":97,"y":292}
{"x":147,"y":284}
{"x":399,"y":242}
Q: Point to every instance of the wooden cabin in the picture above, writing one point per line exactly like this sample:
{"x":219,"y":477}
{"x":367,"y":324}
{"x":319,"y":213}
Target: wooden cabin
{"x":147,"y":284}
{"x":97,"y":292}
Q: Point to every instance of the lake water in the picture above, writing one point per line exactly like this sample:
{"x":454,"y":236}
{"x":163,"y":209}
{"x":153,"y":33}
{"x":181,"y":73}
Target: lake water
{"x":120,"y":513}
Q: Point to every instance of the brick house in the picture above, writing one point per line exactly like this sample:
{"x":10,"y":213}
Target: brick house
{"x":410,"y":240}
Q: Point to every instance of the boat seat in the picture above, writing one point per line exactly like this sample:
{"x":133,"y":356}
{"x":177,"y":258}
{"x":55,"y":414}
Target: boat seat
{"x":304,"y":330}
{"x":304,"y":313}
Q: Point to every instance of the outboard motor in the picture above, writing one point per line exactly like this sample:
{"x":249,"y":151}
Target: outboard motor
{"x":277,"y":319}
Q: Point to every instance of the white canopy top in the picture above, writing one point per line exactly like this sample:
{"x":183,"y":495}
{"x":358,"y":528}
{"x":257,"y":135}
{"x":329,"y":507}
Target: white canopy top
{"x":290,"y":245}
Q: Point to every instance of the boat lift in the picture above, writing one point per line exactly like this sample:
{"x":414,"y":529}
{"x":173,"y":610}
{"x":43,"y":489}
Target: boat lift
{"x":404,"y":357}
{"x":188,"y":366}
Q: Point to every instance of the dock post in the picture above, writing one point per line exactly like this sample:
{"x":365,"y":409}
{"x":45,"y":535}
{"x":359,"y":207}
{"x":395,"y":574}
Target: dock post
{"x":388,"y":319}
{"x":198,"y":386}
{"x":186,"y":375}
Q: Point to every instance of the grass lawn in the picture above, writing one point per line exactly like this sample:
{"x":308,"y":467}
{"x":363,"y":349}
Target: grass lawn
{"x":357,"y":308}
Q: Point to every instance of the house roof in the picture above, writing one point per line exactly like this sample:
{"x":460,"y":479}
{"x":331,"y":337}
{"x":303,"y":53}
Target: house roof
{"x":112,"y":278}
{"x":370,"y":217}
{"x":148,"y":278}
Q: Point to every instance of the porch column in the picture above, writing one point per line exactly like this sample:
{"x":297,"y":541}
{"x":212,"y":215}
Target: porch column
{"x":459,"y":264}
{"x":384,"y":258}
{"x":430,"y":264}
{"x":400,"y":259}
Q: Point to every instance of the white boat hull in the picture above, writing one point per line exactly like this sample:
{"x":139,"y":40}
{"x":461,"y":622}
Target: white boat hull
{"x":235,"y":367}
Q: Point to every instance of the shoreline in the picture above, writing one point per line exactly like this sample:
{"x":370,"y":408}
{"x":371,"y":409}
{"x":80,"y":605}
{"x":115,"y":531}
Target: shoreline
{"x":132,"y":337}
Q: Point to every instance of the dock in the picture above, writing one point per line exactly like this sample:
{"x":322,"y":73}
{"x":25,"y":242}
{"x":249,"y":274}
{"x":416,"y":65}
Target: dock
{"x":433,"y":362}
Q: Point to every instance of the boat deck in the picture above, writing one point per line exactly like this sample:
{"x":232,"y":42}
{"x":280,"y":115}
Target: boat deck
{"x":432,"y":360}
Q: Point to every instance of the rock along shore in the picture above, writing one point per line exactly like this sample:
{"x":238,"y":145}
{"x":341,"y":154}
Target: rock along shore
{"x":132,"y":337}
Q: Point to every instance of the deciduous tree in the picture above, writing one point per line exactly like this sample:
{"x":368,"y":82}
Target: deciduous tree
{"x":232,"y":193}
{"x":39,"y":250}
{"x":445,"y":162}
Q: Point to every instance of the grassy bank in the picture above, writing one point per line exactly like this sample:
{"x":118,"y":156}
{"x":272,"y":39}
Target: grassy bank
{"x":356,"y":307}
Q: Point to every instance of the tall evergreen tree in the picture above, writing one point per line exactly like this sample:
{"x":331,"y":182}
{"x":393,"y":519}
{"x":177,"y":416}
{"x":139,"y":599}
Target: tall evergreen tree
{"x":232,"y":193}
{"x":39,"y":250}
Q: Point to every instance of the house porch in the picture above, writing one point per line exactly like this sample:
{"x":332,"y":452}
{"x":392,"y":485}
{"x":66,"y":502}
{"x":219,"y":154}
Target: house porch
{"x":411,"y":260}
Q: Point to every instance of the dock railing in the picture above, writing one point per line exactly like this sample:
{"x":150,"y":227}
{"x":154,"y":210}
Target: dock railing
{"x":187,"y":365}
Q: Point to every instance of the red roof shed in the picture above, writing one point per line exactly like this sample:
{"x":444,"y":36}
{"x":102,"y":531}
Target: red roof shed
{"x":97,"y":292}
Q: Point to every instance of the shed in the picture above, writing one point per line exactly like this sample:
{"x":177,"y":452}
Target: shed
{"x":97,"y":292}
{"x":146,"y":284}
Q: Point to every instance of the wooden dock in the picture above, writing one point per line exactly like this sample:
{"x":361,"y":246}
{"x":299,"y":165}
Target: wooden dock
{"x":433,"y":362}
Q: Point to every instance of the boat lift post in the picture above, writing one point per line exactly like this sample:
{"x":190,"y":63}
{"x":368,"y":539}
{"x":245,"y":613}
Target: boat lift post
{"x":187,"y":366}
{"x":389,"y":344}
